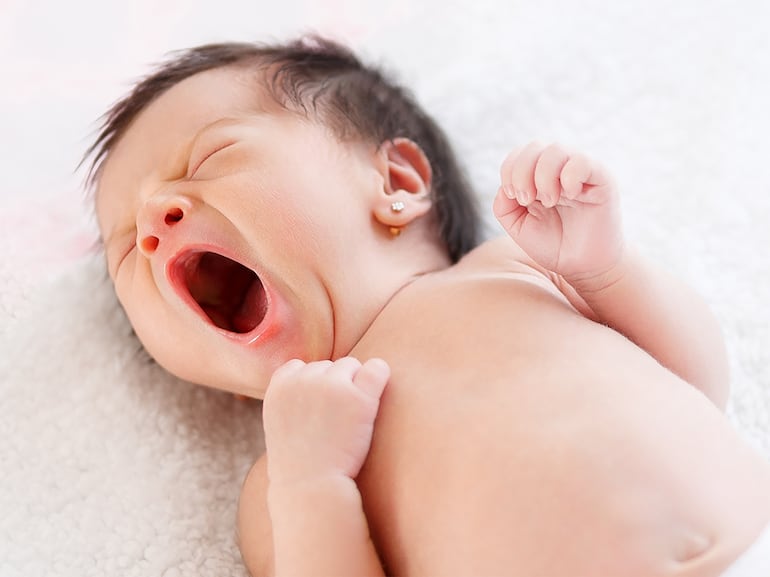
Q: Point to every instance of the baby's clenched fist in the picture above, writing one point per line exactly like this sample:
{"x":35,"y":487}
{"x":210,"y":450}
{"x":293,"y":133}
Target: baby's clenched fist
{"x":562,"y":208}
{"x":319,"y":417}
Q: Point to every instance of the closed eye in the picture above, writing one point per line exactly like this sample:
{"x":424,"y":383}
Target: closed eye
{"x":198,"y":162}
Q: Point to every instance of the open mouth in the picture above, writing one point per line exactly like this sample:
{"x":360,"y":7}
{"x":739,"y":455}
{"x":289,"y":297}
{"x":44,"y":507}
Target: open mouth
{"x":229,"y":294}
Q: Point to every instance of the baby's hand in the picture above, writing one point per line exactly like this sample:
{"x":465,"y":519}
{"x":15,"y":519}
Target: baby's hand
{"x":562,"y":209}
{"x":319,"y":417}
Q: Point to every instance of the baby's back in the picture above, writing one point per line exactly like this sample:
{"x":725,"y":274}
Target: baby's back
{"x":518,"y":437}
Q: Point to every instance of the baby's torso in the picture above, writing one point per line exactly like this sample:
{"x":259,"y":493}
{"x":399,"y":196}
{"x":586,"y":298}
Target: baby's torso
{"x":518,"y":437}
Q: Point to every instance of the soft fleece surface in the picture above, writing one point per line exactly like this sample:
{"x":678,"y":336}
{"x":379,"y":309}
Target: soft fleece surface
{"x":108,"y":466}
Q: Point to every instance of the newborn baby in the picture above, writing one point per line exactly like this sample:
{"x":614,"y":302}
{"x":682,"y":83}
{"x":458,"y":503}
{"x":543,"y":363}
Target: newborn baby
{"x":286,"y":223}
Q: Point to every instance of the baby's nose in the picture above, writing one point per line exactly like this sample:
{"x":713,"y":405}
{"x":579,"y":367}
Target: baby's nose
{"x":156,"y":220}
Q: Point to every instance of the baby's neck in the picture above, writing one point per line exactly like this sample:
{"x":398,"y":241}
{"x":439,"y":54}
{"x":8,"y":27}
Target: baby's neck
{"x":380,"y":279}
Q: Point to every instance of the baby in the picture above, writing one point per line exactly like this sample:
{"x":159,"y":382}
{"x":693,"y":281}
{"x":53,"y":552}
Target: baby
{"x":285,"y":223}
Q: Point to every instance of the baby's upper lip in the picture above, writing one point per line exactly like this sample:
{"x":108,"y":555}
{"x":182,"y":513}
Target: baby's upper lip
{"x":222,"y":290}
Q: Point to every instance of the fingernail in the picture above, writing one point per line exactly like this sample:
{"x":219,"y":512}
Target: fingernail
{"x":523,"y":197}
{"x":509,"y":191}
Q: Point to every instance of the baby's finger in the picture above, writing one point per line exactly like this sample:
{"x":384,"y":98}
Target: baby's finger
{"x":287,"y":369}
{"x":575,"y":174}
{"x":509,"y":212}
{"x":507,"y":171}
{"x":522,"y":176}
{"x":581,"y":171}
{"x":315,"y":370}
{"x":507,"y":166}
{"x":346,"y":368}
{"x":372,"y":377}
{"x":547,"y":174}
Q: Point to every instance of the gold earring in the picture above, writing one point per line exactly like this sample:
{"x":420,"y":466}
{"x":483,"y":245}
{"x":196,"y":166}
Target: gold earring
{"x":396,"y":207}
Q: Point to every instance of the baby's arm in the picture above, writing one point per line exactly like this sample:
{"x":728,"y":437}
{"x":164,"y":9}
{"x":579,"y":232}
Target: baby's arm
{"x":318,"y":420}
{"x":563,"y":210}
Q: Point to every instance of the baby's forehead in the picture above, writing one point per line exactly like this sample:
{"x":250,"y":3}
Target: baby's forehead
{"x":161,"y":131}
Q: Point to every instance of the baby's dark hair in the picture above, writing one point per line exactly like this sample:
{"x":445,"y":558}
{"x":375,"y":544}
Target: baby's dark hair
{"x":317,"y":77}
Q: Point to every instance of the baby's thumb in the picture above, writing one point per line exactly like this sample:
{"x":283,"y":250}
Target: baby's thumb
{"x":508,"y":211}
{"x":372,"y":377}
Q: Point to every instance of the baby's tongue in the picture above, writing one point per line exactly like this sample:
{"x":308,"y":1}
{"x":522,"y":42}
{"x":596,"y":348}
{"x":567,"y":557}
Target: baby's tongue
{"x":252,"y":309}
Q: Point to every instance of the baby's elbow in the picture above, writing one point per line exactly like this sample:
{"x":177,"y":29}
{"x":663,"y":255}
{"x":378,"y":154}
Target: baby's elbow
{"x":720,"y":378}
{"x":719,"y":394}
{"x":255,"y":536}
{"x":708,"y":370}
{"x":257,"y":563}
{"x":715,"y":384}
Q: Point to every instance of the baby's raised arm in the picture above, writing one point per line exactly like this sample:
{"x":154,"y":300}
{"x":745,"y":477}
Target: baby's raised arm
{"x":318,"y":420}
{"x":563,"y":210}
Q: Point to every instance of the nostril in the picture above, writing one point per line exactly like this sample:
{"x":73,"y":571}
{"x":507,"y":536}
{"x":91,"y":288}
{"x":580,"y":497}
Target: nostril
{"x":173,"y":215}
{"x":149,"y":243}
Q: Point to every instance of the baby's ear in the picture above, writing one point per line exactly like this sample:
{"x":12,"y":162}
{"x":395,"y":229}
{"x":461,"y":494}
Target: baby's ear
{"x":407,"y":181}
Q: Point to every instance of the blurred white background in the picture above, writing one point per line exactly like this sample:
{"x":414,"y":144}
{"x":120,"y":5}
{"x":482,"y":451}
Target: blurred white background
{"x":64,"y":63}
{"x":624,"y":79}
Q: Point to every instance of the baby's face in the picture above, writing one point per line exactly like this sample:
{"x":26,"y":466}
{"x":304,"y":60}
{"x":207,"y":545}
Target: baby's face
{"x":228,"y":231}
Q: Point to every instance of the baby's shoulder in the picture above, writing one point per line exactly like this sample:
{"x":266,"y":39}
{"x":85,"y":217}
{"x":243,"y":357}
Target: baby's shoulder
{"x":495,"y":282}
{"x":497,"y":259}
{"x":498,"y":251}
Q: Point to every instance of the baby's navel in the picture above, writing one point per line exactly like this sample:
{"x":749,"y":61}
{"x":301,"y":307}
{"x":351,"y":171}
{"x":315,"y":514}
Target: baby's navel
{"x":691,"y":546}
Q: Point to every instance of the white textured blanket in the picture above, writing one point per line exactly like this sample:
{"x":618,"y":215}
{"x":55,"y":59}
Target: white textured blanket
{"x":108,"y":466}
